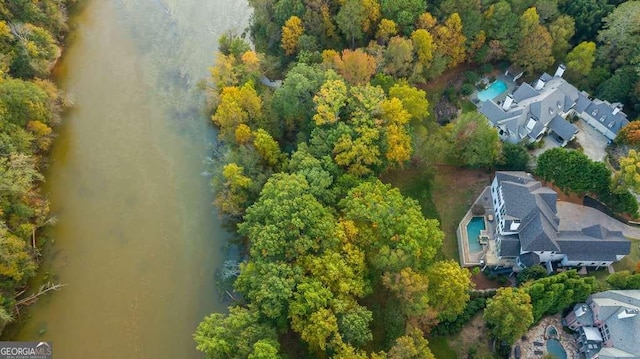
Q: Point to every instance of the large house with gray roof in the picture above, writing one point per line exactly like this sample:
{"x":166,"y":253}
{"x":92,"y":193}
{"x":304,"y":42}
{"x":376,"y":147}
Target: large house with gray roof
{"x":527,"y":228}
{"x":534,"y":110}
{"x":607,"y":325}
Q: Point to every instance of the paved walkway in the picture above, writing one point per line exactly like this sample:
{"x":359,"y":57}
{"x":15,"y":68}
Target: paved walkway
{"x":575,"y":217}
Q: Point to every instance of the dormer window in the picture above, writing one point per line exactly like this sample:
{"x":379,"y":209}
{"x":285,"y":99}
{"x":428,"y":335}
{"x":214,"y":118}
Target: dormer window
{"x":603,"y":118}
{"x":610,"y":125}
{"x":595,"y":112}
{"x":559,"y":104}
{"x":550,"y":111}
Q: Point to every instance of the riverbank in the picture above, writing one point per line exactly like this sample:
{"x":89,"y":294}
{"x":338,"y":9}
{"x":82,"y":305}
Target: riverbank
{"x":137,"y":241}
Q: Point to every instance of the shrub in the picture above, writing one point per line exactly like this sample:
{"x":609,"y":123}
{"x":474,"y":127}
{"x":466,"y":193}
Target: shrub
{"x":471,"y":77}
{"x":454,"y":326}
{"x":467,"y":89}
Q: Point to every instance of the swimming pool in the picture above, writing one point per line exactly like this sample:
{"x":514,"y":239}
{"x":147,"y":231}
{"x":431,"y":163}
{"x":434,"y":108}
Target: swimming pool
{"x":473,"y":231}
{"x":555,"y":349}
{"x":493,"y":91}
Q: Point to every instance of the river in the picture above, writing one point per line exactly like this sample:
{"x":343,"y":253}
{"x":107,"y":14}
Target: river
{"x":137,"y":241}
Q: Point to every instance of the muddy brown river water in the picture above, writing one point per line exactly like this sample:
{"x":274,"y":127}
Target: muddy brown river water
{"x":138,"y":241}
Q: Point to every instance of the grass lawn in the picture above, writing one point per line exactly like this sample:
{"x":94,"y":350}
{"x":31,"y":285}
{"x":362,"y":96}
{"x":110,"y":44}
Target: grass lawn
{"x":454,"y":190}
{"x":444,"y":193}
{"x":629,"y":262}
{"x":468,"y":106}
{"x":440,"y":348}
{"x":415,"y":182}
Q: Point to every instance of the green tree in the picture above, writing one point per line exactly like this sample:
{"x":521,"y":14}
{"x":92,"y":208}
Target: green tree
{"x":36,"y":51}
{"x":470,"y":141}
{"x":234,"y":335}
{"x":561,"y":30}
{"x":500,"y":25}
{"x":531,"y":273}
{"x":286,"y":222}
{"x":293,"y":102}
{"x":413,"y":345}
{"x":354,"y":325}
{"x":423,"y":45}
{"x":514,"y":157}
{"x":398,"y":57}
{"x":534,"y":53}
{"x":509,"y":314}
{"x":580,"y":60}
{"x":413,"y":100}
{"x":23,"y":101}
{"x":403,"y":12}
{"x":573,"y":171}
{"x":350,"y":19}
{"x":329,"y":101}
{"x":470,"y":13}
{"x":620,"y":35}
{"x":394,"y":232}
{"x":587,"y":14}
{"x":624,"y":280}
{"x":550,"y":295}
{"x":265,"y":349}
{"x":449,"y":287}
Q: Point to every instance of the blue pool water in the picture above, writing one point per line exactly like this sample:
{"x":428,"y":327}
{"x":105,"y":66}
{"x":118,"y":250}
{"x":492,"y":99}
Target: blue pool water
{"x":473,"y":231}
{"x":491,"y":92}
{"x":555,"y":349}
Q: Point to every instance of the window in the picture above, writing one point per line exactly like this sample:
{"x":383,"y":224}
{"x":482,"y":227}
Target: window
{"x":595,"y":112}
{"x":603,"y":118}
{"x":610,"y":125}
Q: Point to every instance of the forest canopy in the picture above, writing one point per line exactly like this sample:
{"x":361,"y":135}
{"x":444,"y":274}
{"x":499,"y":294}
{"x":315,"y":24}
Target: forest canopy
{"x":340,"y":264}
{"x":31,"y":34}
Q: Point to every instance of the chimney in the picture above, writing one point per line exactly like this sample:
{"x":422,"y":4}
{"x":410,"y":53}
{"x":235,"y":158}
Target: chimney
{"x":581,"y":310}
{"x":539,"y":84}
{"x":616,"y":110}
{"x":560,"y":70}
{"x":507,"y":102}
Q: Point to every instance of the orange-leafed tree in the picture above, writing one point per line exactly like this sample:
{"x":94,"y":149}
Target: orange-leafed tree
{"x":630,"y":134}
{"x":356,"y":66}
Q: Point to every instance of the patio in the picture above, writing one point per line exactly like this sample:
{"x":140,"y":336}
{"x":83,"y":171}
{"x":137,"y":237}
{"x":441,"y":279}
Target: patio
{"x":468,"y":258}
{"x":511,"y":85}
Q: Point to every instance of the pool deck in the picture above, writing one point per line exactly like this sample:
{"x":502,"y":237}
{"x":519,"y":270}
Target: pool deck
{"x":489,"y":255}
{"x":468,"y":258}
{"x":511,"y":85}
{"x":529,"y":343}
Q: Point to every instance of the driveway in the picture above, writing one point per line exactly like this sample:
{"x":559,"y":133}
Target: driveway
{"x":593,"y":142}
{"x":575,"y":217}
